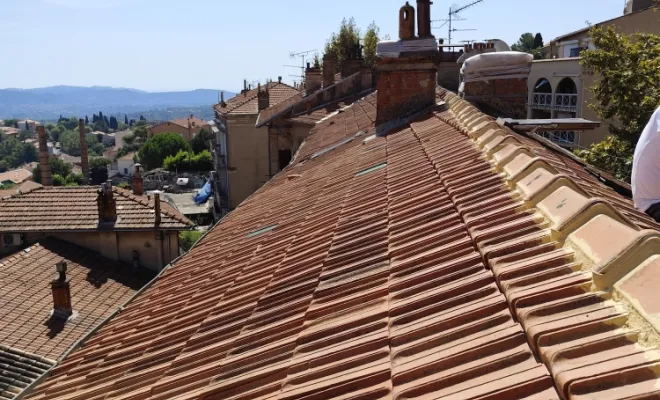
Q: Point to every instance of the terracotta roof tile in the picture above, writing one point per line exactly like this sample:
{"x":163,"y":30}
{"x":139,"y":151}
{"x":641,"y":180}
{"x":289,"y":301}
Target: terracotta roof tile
{"x":30,"y":339}
{"x":425,"y":264}
{"x":246,"y":104}
{"x":75,"y":208}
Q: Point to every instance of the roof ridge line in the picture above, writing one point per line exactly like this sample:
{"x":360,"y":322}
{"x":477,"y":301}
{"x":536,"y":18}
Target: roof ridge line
{"x":139,"y":199}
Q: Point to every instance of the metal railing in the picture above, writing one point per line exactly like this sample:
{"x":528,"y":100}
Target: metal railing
{"x":542,"y":101}
{"x":562,"y":138}
{"x":566,"y":102}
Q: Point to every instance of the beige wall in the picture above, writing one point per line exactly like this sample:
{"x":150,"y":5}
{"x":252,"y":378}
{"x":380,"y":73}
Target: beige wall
{"x":119,"y":246}
{"x":247,"y":158}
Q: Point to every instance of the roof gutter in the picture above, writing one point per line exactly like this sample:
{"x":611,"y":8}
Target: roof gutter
{"x":101,"y":324}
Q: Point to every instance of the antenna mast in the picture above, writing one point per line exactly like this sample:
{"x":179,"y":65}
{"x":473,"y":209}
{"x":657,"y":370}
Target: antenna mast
{"x":303,"y":56}
{"x":453,"y":16}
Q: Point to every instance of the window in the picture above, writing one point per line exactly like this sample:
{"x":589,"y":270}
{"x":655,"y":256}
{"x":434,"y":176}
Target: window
{"x":575,"y":52}
{"x":126,"y":170}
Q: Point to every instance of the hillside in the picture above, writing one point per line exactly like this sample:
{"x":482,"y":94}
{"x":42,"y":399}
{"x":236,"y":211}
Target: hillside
{"x":48,"y":103}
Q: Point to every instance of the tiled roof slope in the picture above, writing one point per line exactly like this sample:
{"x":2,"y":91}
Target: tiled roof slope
{"x":246,"y":104}
{"x":29,"y":338}
{"x":18,"y":369}
{"x":408,"y":266}
{"x":75,"y":208}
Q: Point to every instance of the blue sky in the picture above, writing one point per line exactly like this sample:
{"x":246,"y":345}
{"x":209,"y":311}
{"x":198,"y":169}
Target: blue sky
{"x":158,"y":45}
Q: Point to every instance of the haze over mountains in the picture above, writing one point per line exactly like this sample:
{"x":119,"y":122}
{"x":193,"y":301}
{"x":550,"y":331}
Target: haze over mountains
{"x":50,"y":102}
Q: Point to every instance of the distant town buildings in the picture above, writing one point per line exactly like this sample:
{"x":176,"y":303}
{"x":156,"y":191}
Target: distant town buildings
{"x":186,"y":127}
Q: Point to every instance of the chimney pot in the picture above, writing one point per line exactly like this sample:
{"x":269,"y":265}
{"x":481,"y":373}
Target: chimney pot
{"x":44,"y":160}
{"x":106,"y":203}
{"x":279,"y":79}
{"x":424,"y":18}
{"x":61,"y":293}
{"x":138,"y":182}
{"x":407,"y":22}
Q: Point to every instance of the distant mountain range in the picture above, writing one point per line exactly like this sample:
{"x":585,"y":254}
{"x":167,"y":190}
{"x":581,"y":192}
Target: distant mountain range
{"x":51,"y":102}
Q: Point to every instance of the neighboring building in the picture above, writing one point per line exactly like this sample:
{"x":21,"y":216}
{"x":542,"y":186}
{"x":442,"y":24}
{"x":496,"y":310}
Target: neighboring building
{"x":113,"y":222}
{"x":9,"y":131}
{"x":242,"y":151}
{"x":24,"y":187}
{"x":558,"y":87}
{"x":122,"y":165}
{"x":412,"y":249}
{"x":36,"y":332}
{"x":186,"y":127}
{"x":28,"y":125}
{"x":15,"y":176}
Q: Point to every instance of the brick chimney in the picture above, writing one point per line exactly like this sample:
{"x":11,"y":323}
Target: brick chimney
{"x":157,"y":208}
{"x":424,"y":19}
{"x":329,"y":65}
{"x":61,"y":293}
{"x":44,"y":160}
{"x":406,"y":70}
{"x":313,"y":79}
{"x":106,"y":203}
{"x":353,"y":61}
{"x":138,"y":183}
{"x":84,"y":158}
{"x":263,"y":98}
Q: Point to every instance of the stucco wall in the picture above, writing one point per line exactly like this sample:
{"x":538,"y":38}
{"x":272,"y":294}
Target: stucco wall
{"x":174,"y":128}
{"x":247,"y":158}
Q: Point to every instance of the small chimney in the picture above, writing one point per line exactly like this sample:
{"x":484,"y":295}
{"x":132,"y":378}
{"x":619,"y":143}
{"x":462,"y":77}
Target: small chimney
{"x":353,"y":62}
{"x":329,"y":66}
{"x":138,"y":183}
{"x":313,"y":79}
{"x":279,"y":79}
{"x":106,"y":203}
{"x":157,"y":208}
{"x":263,"y":98}
{"x":407,"y":22}
{"x":44,"y":160}
{"x":406,"y":81}
{"x":61,"y":293}
{"x":222,"y":100}
{"x":84,"y":158}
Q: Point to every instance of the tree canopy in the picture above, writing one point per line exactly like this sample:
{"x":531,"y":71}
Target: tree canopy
{"x":98,"y":170}
{"x":202,"y":141}
{"x":14,"y":153}
{"x":626,"y":92}
{"x":348,"y":35}
{"x":529,"y":43}
{"x":158,"y":147}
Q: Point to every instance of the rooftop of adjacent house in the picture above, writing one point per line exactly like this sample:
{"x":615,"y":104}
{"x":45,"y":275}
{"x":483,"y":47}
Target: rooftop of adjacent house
{"x":24,"y":187}
{"x":57,"y":209}
{"x":186,"y":205}
{"x":246,"y":103}
{"x":452,"y":258}
{"x":194,"y":122}
{"x":19,"y":175}
{"x":127,"y":157}
{"x":31,"y":339}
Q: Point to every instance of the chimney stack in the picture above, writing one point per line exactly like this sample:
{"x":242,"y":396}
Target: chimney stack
{"x":106,"y":203}
{"x":329,"y":66}
{"x":313,"y":79}
{"x":138,"y":183}
{"x":157,"y":208}
{"x":263,"y":98}
{"x":279,"y":79}
{"x":406,"y":80}
{"x":222,"y":100}
{"x":352,"y":64}
{"x":44,"y":160}
{"x":424,"y":19}
{"x":84,"y":158}
{"x":61,"y":293}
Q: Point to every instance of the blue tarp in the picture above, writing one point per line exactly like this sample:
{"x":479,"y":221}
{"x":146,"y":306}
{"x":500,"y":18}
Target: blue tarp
{"x":203,"y":194}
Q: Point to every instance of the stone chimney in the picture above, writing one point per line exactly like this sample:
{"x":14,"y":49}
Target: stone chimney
{"x":329,"y":65}
{"x":263,"y":98}
{"x":353,"y":61}
{"x":44,"y":160}
{"x":406,"y":70}
{"x":138,"y":183}
{"x":62,"y":307}
{"x":84,"y":158}
{"x":313,"y":79}
{"x":106,"y":203}
{"x":157,"y":208}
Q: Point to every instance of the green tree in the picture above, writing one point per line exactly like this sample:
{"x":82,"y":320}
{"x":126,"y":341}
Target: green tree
{"x":98,"y":170}
{"x":15,"y":153}
{"x":57,"y":167}
{"x":10,"y":123}
{"x":70,"y":142}
{"x":525,"y":43}
{"x":74,"y":179}
{"x":371,"y":39}
{"x":626,"y":92}
{"x":538,"y":41}
{"x":114,"y":124}
{"x":188,"y":161}
{"x":339,"y":43}
{"x":86,"y":120}
{"x":97,"y":149}
{"x":188,"y":238}
{"x":202,"y":141}
{"x":125,"y":119}
{"x":158,"y":147}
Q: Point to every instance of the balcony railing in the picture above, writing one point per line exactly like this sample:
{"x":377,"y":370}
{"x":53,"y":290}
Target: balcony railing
{"x":562,"y":138}
{"x":563,"y":101}
{"x":566,"y":102}
{"x":542,"y":101}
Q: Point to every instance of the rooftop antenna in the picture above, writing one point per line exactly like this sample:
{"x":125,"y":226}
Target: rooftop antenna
{"x":452,"y":16}
{"x":303,"y":56}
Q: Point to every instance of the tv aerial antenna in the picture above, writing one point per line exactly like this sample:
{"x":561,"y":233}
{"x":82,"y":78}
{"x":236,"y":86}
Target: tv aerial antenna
{"x":453,"y":16}
{"x":303,"y":58}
